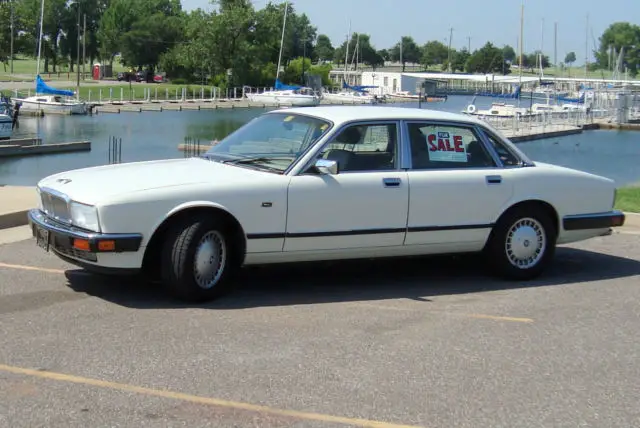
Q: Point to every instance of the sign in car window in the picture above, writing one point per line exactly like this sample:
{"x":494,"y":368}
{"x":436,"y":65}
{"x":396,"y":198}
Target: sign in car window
{"x":446,"y":147}
{"x":447,"y":144}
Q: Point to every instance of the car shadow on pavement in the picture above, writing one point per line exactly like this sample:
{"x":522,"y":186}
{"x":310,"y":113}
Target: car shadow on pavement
{"x":364,"y":280}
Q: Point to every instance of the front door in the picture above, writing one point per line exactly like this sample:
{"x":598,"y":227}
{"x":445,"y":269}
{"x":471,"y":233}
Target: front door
{"x":456,"y":189}
{"x":365,"y":205}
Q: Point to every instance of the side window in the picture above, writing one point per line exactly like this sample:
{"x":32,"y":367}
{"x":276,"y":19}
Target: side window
{"x":506,"y":157}
{"x":439,"y":146}
{"x":364,"y":148}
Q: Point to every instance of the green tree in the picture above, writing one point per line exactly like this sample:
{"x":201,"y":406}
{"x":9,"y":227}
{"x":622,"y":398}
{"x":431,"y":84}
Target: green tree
{"x":55,"y":12}
{"x":410,"y":52}
{"x":434,"y":53}
{"x":324,"y":49}
{"x":509,"y":54}
{"x":459,"y":60}
{"x":5,"y":34}
{"x":621,"y":35}
{"x":570,"y":58}
{"x":366,"y":53}
{"x":487,"y":59}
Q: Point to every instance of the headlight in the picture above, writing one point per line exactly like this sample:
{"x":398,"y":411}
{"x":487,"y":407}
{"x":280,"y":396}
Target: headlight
{"x":84,"y":216}
{"x":40,"y":206}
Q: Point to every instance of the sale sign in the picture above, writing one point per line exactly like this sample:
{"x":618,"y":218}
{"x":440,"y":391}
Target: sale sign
{"x":444,"y":147}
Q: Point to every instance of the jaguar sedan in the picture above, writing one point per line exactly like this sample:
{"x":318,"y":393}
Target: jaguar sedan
{"x":323,"y":183}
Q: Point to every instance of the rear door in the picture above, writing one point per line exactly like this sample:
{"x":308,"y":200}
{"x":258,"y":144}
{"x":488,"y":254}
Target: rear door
{"x":457,"y":189}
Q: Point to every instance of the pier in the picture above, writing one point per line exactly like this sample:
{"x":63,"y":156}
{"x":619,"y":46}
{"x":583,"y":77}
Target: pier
{"x":34,"y":146}
{"x":207,"y":104}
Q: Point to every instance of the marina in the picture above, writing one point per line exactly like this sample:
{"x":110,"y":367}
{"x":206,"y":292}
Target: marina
{"x":578,"y":141}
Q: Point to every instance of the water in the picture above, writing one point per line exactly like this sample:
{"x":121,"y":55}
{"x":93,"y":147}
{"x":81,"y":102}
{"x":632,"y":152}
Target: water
{"x":156,"y":135}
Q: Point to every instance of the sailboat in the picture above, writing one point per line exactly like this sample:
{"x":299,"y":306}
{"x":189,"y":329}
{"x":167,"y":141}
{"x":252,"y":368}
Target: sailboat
{"x":351,"y":94}
{"x":48,"y":99}
{"x":286,"y":94}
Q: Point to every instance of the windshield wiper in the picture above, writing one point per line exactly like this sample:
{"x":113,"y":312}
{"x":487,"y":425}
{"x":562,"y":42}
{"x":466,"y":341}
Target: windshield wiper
{"x":257,"y":161}
{"x":252,"y":160}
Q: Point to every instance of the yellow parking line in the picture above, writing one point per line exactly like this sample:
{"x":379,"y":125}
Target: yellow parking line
{"x":430,"y":310}
{"x":32,"y":268}
{"x":200,"y":400}
{"x":498,"y":318}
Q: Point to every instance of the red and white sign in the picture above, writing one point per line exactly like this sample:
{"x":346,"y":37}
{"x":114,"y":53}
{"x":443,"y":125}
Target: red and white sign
{"x":446,"y":148}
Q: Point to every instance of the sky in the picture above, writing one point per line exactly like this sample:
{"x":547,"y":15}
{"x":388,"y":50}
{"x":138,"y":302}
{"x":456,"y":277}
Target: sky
{"x":497,"y":21}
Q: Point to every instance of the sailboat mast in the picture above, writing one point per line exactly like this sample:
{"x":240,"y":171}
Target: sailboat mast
{"x":346,"y":54}
{"x":284,"y":24}
{"x":521,"y":46}
{"x":40,"y":40}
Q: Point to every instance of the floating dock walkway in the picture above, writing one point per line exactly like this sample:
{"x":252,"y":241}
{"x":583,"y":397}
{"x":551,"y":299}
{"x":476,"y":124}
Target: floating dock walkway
{"x":34,"y":146}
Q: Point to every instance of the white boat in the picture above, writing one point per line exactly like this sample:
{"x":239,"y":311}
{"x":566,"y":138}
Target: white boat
{"x":349,"y":97}
{"x":497,"y":110}
{"x":6,"y":120}
{"x":296,"y":97}
{"x":51,"y":104}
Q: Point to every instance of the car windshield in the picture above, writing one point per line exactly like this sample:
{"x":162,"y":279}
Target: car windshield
{"x":272,"y":141}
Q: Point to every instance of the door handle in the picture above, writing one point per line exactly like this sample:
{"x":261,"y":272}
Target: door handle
{"x":494,"y":179}
{"x":391,"y":182}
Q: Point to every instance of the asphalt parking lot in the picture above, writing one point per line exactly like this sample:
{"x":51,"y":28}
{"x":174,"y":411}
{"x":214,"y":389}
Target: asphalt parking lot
{"x":415,"y":342}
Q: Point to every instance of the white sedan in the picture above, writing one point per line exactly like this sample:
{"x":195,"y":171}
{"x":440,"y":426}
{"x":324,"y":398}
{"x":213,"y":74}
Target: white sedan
{"x":323,"y":183}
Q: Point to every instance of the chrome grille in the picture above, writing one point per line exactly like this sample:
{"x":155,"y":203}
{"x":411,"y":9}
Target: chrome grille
{"x":55,"y":206}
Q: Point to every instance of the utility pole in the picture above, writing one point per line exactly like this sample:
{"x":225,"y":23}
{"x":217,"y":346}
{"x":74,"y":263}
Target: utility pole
{"x":469,"y":44}
{"x":11,"y":52}
{"x":586,"y":50}
{"x":449,"y":53}
{"x":541,"y":42}
{"x":521,"y":37}
{"x":84,"y":45}
{"x":555,"y":44}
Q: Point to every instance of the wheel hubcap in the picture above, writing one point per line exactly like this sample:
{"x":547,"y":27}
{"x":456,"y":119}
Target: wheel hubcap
{"x":209,"y":260}
{"x":525,"y":244}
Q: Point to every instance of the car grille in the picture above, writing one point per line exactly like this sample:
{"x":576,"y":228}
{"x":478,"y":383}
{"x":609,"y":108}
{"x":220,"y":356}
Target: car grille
{"x":55,"y":207}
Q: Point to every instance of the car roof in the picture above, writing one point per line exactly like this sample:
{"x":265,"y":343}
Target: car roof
{"x":341,"y":114}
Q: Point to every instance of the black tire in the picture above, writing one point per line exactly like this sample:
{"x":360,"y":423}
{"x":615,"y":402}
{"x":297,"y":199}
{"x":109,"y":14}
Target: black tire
{"x":534,"y":223}
{"x":180,"y":253}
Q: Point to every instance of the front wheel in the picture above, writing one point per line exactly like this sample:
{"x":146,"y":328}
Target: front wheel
{"x":522,"y":244}
{"x":197,"y":259}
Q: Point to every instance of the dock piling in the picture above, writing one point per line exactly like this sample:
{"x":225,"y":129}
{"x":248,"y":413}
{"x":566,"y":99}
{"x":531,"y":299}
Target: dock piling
{"x":115,"y":150}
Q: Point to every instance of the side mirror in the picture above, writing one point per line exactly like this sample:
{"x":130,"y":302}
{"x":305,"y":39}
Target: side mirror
{"x":326,"y":166}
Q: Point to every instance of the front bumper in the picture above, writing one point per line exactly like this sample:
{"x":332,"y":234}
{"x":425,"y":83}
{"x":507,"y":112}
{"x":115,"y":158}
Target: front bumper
{"x":78,"y":244}
{"x":604,"y":220}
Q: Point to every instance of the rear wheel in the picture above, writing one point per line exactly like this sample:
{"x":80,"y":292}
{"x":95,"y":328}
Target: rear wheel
{"x":197,"y":259}
{"x":522,"y":243}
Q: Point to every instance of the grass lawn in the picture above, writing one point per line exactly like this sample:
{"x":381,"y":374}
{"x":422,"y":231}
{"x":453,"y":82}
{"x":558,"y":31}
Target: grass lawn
{"x":28,"y":66}
{"x":628,"y":199}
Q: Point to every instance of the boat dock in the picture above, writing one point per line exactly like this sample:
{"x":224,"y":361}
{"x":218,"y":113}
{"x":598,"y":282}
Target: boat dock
{"x":34,"y":146}
{"x":205,"y":104}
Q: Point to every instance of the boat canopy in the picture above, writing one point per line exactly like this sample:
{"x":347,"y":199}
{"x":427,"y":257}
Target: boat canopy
{"x":281,"y":86}
{"x":43,"y":88}
{"x":357,"y":88}
{"x":515,"y":94}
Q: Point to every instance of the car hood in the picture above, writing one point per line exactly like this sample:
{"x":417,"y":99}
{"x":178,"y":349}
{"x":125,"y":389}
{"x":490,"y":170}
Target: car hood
{"x":96,"y":184}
